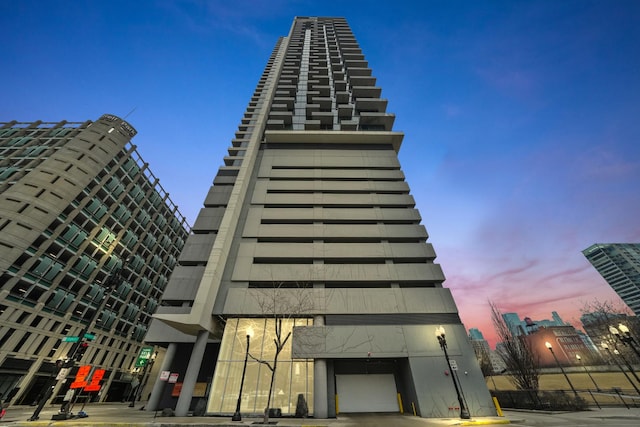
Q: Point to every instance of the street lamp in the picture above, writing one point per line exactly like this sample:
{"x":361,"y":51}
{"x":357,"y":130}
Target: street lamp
{"x":236,"y":415}
{"x":626,"y":362}
{"x":608,"y":350}
{"x":464,"y":412}
{"x":588,"y":373}
{"x":625,"y":337}
{"x":592,"y":380}
{"x":548,"y":345}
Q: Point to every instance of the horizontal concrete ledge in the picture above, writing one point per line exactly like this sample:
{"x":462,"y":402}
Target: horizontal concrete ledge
{"x":335,"y":137}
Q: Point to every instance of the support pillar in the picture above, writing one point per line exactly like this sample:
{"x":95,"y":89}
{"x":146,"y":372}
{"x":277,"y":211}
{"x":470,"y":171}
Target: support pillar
{"x":320,"y":400}
{"x":191,"y":376}
{"x":158,"y":386}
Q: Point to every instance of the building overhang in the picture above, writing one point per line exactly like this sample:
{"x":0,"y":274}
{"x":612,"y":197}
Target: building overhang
{"x":189,"y":325}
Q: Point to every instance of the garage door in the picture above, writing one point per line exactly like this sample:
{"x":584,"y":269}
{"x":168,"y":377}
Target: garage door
{"x":367,"y":393}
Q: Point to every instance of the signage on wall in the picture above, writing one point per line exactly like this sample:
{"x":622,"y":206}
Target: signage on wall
{"x":164,"y":375}
{"x":81,"y":377}
{"x":173,"y":378}
{"x":95,"y":380}
{"x":144,"y":356}
{"x":177,"y":388}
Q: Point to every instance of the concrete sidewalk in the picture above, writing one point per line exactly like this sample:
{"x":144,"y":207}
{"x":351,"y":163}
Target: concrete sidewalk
{"x":120,"y":415}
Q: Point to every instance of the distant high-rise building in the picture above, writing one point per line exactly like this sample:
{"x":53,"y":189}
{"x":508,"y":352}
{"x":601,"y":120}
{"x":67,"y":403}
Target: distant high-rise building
{"x":619,"y":265}
{"x":475,"y":334}
{"x":490,"y":362}
{"x":515,"y":325}
{"x":310,"y":229}
{"x":528,"y":325}
{"x":88,"y":239}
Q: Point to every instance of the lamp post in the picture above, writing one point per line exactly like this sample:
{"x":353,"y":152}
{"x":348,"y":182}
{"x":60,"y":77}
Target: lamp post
{"x":236,"y":415}
{"x":550,"y":347}
{"x":608,"y":350}
{"x":464,"y":412}
{"x":626,"y":362}
{"x":588,"y":373}
{"x":622,"y":333}
{"x":592,"y":380}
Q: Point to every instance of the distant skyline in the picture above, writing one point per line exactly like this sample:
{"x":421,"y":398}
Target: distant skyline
{"x":521,"y":118}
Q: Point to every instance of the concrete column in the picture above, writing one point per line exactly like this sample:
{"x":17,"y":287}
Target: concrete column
{"x":158,"y":386}
{"x":319,"y":380}
{"x":191,"y":376}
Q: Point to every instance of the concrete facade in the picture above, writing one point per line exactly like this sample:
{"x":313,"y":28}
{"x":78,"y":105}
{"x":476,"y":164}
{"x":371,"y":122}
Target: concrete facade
{"x":619,"y":265}
{"x":76,"y":201}
{"x":311,"y":221}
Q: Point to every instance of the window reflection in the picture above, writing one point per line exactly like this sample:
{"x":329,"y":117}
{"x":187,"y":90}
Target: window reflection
{"x":293,"y":377}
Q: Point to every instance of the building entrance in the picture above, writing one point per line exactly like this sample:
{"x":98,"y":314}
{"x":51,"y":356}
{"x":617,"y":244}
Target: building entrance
{"x":367,"y":393}
{"x":369,"y":385}
{"x":34,"y":391}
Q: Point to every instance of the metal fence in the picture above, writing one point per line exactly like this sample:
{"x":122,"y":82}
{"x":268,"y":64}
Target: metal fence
{"x":563,"y":400}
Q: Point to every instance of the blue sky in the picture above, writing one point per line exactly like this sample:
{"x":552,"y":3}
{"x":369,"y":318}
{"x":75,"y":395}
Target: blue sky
{"x":521,"y":118}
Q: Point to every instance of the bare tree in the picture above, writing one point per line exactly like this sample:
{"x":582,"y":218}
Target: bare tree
{"x":521,"y":360}
{"x":282,"y":302}
{"x":600,"y":319}
{"x":484,"y":360}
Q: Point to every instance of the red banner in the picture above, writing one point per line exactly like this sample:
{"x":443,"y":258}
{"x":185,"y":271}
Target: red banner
{"x":79,"y":381}
{"x":95,"y":380}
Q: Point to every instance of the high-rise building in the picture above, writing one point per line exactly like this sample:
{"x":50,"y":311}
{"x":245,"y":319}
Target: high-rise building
{"x":528,"y":325}
{"x":475,"y":334}
{"x":310,"y":229}
{"x":88,"y":240}
{"x":619,"y":265}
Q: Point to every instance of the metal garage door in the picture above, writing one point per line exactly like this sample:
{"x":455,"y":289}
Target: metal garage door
{"x":367,"y":393}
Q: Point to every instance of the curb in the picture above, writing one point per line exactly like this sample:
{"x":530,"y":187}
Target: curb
{"x":485,"y":422}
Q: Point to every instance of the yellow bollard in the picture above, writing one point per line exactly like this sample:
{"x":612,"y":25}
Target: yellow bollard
{"x":413,"y":406}
{"x":400,"y":404}
{"x":498,"y":409}
{"x":337,"y":405}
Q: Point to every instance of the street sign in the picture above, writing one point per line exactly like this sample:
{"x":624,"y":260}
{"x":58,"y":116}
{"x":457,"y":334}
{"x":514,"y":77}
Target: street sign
{"x":145,"y":352}
{"x":89,"y":336}
{"x":70,"y":339}
{"x":62,"y":374}
{"x":144,"y":356}
{"x":454,"y":365}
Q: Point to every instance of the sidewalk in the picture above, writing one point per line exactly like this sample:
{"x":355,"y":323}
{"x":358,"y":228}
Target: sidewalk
{"x":120,"y":415}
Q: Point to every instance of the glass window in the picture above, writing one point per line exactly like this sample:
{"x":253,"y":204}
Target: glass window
{"x":292,"y":377}
{"x":60,"y":300}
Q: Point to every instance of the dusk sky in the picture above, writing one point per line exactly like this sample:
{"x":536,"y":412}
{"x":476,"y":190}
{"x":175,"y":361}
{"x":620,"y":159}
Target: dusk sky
{"x":521,"y":118}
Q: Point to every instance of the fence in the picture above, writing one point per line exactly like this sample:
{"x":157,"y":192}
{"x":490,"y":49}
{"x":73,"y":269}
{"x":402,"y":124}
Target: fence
{"x":563,"y":400}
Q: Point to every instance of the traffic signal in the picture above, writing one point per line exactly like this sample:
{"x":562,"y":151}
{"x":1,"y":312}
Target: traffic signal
{"x":81,"y":349}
